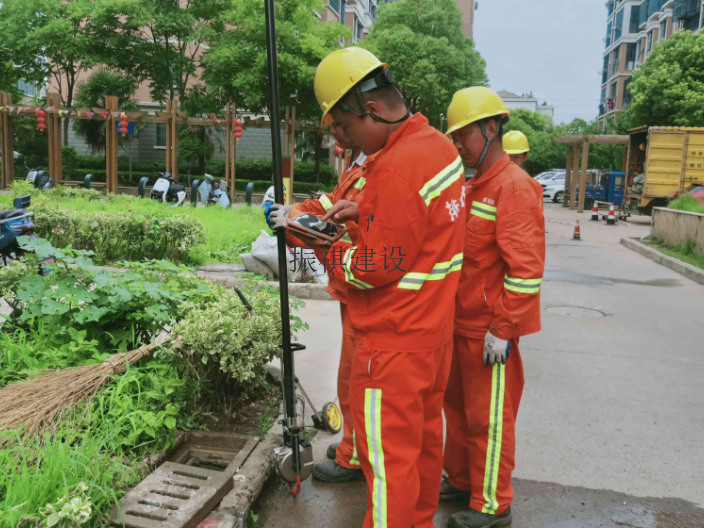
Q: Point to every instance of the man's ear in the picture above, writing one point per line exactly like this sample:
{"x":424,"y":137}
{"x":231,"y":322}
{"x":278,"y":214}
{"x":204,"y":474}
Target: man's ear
{"x":372,"y":107}
{"x":492,"y":128}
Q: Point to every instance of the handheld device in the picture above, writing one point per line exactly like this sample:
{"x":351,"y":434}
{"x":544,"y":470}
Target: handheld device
{"x":316,"y":230}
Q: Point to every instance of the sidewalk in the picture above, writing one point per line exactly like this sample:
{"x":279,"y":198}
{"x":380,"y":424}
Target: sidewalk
{"x":611,"y":425}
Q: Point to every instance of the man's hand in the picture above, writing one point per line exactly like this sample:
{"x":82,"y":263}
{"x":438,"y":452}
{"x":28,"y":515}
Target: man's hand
{"x":495,"y":350}
{"x":279,"y":216}
{"x":343,"y":211}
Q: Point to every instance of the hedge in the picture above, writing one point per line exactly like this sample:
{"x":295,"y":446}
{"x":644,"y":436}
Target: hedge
{"x":114,"y":235}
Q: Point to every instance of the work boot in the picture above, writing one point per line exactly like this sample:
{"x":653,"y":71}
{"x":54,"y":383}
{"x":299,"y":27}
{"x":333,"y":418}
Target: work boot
{"x":331,"y":471}
{"x":448,"y":492}
{"x":332,"y":451}
{"x":470,"y":518}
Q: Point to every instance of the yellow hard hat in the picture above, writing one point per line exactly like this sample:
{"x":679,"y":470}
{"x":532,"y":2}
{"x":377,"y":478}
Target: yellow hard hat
{"x":516,"y":142}
{"x":473,"y":104}
{"x":338,"y":73}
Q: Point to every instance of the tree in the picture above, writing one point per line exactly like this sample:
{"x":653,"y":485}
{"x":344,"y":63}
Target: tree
{"x":237,"y":63}
{"x":197,"y":143}
{"x":668,"y":89}
{"x":545,"y":154}
{"x":430,"y":57}
{"x":92,"y":94}
{"x":159,"y":41}
{"x":49,"y":39}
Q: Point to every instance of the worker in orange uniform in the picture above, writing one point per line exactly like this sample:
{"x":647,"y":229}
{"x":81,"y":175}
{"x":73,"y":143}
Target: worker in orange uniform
{"x":402,"y":275}
{"x":498,"y":301}
{"x":344,"y":465}
{"x":517,"y":147}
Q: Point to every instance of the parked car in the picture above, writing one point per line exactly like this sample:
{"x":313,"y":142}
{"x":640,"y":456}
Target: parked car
{"x":554,"y":189}
{"x":550,"y":175}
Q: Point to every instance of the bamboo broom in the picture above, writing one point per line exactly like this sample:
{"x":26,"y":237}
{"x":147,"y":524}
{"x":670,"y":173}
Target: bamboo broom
{"x":38,"y":403}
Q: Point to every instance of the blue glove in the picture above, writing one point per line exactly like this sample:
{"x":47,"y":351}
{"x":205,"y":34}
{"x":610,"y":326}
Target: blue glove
{"x":267,"y":212}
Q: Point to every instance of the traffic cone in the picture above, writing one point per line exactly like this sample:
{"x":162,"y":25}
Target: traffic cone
{"x":611,"y":219}
{"x":595,"y":213}
{"x":577,"y":233}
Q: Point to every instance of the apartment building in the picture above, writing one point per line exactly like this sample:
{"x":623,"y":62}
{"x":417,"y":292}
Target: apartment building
{"x":357,"y":14}
{"x":633,"y":27}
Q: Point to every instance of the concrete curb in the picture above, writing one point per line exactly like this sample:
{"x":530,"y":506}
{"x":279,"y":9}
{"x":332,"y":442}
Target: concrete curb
{"x":250,"y":480}
{"x":689,"y":271}
{"x":300,"y":290}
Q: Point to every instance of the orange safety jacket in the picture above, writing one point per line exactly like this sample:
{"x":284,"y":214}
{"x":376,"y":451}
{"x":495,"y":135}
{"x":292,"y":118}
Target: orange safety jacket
{"x":403,"y":272}
{"x":349,"y":187}
{"x":504,"y":256}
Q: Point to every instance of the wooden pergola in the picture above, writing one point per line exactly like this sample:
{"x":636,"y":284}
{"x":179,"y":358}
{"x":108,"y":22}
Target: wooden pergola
{"x":55,"y":113}
{"x":574,"y":142}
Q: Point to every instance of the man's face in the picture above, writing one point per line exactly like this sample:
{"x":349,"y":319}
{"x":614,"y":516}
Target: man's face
{"x":364,"y":132}
{"x":469,"y":142}
{"x":341,"y":138}
{"x":519,"y":159}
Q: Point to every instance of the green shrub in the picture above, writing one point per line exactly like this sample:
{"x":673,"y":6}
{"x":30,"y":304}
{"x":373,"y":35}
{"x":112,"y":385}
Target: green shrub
{"x":687,"y":203}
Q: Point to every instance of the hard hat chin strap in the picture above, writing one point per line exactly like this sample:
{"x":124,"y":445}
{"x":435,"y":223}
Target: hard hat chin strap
{"x":383,"y":78}
{"x":489,"y":141}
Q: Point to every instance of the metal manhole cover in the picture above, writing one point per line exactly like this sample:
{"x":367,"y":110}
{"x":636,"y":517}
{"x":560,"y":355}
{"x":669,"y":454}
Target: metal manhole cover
{"x":575,"y":311}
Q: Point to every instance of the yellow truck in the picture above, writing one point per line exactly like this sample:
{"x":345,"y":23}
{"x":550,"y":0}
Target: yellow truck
{"x":663,"y":162}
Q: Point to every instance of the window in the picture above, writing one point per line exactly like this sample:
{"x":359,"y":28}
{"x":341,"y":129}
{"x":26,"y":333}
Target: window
{"x":649,"y":45}
{"x":608,"y":35}
{"x":343,"y":7}
{"x":663,"y":30}
{"x":605,"y":71}
{"x":611,"y":7}
{"x":627,"y":93}
{"x":631,"y":53}
{"x":357,"y":29}
{"x":372,"y":9}
{"x":614,"y":90}
{"x":334,"y":5}
{"x":619,"y":25}
{"x":26,"y":88}
{"x":635,"y":19}
{"x":639,"y":51}
{"x":615,"y":62}
{"x":160,"y":135}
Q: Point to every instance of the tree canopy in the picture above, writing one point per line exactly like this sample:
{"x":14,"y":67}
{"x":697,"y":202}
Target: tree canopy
{"x":668,"y":89}
{"x":236,"y":62}
{"x":431,"y":58}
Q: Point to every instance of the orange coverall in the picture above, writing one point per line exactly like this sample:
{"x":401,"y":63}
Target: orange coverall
{"x":499,"y":292}
{"x":403,"y":276}
{"x":349,"y":187}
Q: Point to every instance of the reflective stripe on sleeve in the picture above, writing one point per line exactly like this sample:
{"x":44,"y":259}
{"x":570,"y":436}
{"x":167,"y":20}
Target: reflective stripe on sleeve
{"x":482,"y":210}
{"x":349,"y":277}
{"x":372,"y":422}
{"x":325,"y":202}
{"x":446,"y":177}
{"x":531,"y":286}
{"x":360,"y":183}
{"x":415,"y":280}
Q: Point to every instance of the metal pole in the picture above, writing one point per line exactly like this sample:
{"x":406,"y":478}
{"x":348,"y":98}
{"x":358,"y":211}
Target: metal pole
{"x":287,"y":359}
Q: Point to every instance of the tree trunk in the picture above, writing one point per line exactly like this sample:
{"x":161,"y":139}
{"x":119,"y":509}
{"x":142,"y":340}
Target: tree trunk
{"x":201,"y":154}
{"x":69,"y":104}
{"x":318,"y":142}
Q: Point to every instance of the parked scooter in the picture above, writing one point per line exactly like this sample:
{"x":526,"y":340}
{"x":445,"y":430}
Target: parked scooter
{"x":166,"y":189}
{"x":15,"y":223}
{"x":40,"y":179}
{"x":213,"y":192}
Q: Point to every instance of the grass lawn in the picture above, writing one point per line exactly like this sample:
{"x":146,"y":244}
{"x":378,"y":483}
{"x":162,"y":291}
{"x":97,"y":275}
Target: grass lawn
{"x":684,"y":252}
{"x":230,"y":232}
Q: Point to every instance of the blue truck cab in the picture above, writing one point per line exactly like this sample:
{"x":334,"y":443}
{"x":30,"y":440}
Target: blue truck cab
{"x":610,"y":188}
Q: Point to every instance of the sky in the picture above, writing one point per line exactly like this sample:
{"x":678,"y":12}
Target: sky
{"x":553,"y":48}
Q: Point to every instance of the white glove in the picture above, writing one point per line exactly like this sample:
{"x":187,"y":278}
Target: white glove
{"x":495,"y":350}
{"x":279,"y":215}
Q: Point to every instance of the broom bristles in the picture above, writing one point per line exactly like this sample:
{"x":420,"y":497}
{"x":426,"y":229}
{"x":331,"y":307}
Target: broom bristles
{"x":37,"y":404}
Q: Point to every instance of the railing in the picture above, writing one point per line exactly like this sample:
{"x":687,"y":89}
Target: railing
{"x":686,"y":9}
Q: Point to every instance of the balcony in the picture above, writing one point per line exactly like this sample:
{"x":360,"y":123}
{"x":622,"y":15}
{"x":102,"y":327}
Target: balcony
{"x":654,"y":6}
{"x":686,"y":9}
{"x":644,"y":12}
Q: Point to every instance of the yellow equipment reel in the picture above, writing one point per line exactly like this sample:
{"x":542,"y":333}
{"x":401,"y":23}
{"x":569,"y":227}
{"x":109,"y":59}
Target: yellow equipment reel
{"x":332,"y":417}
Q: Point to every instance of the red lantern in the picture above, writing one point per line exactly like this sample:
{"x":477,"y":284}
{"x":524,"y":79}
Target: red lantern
{"x":238,"y":129}
{"x":339,"y":151}
{"x":238,"y":135}
{"x":41,"y":119}
{"x":124,"y":124}
{"x":239,"y":122}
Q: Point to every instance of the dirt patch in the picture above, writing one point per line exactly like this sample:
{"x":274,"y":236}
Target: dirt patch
{"x":253,"y":417}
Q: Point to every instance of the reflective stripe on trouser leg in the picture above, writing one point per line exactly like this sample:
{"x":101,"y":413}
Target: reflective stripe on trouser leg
{"x":372,"y":418}
{"x":354,"y":460}
{"x":493,"y":453}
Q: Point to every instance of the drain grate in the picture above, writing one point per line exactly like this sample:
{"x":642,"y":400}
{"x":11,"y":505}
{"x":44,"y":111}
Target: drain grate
{"x":180,"y":494}
{"x":575,"y":311}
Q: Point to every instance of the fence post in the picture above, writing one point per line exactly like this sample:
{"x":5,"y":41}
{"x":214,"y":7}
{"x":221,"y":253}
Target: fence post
{"x":87,"y":181}
{"x":248,"y":194}
{"x":110,"y":145}
{"x":194,"y":192}
{"x":6,"y":142}
{"x":174,"y":141}
{"x":234,"y":156}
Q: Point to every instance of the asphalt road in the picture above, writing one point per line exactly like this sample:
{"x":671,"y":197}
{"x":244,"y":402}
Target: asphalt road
{"x":611,"y":425}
